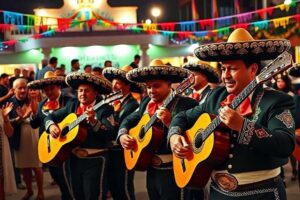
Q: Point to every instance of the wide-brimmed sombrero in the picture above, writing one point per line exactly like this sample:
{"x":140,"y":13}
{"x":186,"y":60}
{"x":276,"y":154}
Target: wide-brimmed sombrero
{"x":49,"y":79}
{"x":205,"y":68}
{"x":157,"y":70}
{"x":102,"y":85}
{"x":241,"y":46}
{"x":111,"y":73}
{"x":295,"y":70}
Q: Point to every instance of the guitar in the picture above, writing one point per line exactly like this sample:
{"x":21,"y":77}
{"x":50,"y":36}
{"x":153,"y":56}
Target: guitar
{"x":296,"y":152}
{"x":210,"y":148}
{"x":55,"y":151}
{"x":147,"y":140}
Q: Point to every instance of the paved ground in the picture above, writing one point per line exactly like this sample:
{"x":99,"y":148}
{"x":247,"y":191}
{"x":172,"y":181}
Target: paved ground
{"x":52,"y":192}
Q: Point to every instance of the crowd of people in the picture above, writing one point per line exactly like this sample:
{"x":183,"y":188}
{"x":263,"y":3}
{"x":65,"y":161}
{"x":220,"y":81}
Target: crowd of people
{"x":261,"y":130}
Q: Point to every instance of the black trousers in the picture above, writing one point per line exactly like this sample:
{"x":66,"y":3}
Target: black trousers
{"x":270,"y":191}
{"x":58,"y":176}
{"x":87,"y":177}
{"x":120,"y":180}
{"x":161,"y":184}
{"x":193,"y":193}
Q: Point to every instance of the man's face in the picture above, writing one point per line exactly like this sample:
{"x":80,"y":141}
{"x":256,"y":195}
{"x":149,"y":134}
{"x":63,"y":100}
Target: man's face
{"x":158,"y":90}
{"x":52,"y":91}
{"x":86,"y":94}
{"x":21,"y":90}
{"x":17,"y":72}
{"x":200,"y":80}
{"x":88,"y":70}
{"x":108,"y":64}
{"x":118,"y":84}
{"x":76,"y":66}
{"x":5,"y":81}
{"x":236,"y":76}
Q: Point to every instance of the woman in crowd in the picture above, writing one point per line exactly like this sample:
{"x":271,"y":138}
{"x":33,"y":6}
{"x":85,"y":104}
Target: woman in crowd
{"x":7,"y":176}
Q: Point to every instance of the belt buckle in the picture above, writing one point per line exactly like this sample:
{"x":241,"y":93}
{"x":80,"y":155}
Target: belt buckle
{"x":80,"y":153}
{"x":156,"y":161}
{"x":226,"y":181}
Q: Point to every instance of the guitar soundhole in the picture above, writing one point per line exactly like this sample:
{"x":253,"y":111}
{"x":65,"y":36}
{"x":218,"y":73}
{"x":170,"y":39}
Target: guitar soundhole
{"x":141,"y":134}
{"x":197,"y":142}
{"x":65,"y":131}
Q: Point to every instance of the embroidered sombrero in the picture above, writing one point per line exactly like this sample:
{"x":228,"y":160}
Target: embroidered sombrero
{"x":295,"y":70}
{"x":240,"y":46}
{"x":49,"y":79}
{"x":205,"y":68}
{"x":111,"y":73}
{"x":157,"y":70}
{"x":74,"y":79}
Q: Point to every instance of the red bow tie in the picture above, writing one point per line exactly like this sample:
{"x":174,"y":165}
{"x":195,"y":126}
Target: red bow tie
{"x":152,"y":107}
{"x":51,"y":105}
{"x":196,"y":96}
{"x":82,"y":109}
{"x":117,"y":105}
{"x":244,"y":108}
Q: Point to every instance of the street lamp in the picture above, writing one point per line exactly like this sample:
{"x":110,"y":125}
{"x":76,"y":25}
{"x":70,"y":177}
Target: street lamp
{"x":155,"y":12}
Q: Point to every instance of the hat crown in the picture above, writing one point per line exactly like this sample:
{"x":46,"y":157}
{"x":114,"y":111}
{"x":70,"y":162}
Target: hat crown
{"x":49,"y":74}
{"x":127,"y":68}
{"x":240,"y":35}
{"x":157,"y":62}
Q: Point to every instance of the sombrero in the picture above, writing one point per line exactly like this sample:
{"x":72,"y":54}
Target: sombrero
{"x":240,"y":46}
{"x":50,"y":78}
{"x":157,"y":70}
{"x":102,"y":85}
{"x":205,"y":68}
{"x":111,"y":73}
{"x":295,"y":70}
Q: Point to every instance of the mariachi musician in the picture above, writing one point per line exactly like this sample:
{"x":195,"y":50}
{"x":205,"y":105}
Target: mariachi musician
{"x":51,"y":86}
{"x":158,"y":79}
{"x":119,"y":178}
{"x":261,"y":129}
{"x":204,"y":75}
{"x":86,"y":167}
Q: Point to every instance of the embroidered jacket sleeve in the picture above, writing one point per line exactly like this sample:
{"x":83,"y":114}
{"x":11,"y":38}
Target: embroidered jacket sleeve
{"x":274,"y":133}
{"x":105,"y":120}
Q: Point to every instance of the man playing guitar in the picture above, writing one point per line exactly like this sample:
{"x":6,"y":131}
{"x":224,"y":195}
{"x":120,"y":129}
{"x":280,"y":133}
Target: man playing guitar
{"x":262,"y":129}
{"x":158,"y":78}
{"x":86,"y":167}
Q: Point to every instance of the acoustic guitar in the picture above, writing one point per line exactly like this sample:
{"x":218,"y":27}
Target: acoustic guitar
{"x":54,"y":151}
{"x":210,"y":148}
{"x":147,"y":139}
{"x":296,"y":152}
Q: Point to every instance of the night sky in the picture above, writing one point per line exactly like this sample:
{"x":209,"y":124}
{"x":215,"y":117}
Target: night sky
{"x":169,"y":7}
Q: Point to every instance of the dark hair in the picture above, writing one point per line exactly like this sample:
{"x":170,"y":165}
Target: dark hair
{"x":107,"y":61}
{"x":288,"y":84}
{"x":53,"y":60}
{"x":137,"y":57}
{"x":97,"y":69}
{"x":249,"y":62}
{"x":4,"y":75}
{"x":86,"y":66}
{"x":74,"y":61}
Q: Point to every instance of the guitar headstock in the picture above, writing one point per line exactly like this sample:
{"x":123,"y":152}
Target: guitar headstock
{"x":186,"y":83}
{"x":281,"y":63}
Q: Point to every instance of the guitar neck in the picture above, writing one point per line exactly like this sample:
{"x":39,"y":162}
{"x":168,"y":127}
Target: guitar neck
{"x":234,"y":104}
{"x":95,"y":107}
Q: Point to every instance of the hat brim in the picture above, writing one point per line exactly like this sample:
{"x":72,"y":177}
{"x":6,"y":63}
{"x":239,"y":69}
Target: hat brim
{"x":42,"y":83}
{"x":169,"y":73}
{"x":249,"y":50}
{"x":75,"y":79}
{"x":111,"y":73}
{"x":212,"y":74}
